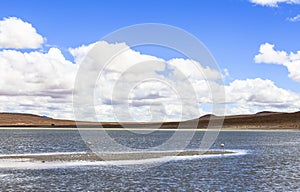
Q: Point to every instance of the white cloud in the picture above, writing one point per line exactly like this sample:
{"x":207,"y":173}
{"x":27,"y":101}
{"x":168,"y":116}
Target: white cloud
{"x":274,"y":3}
{"x":193,"y":69}
{"x":36,"y":82}
{"x":35,"y":73}
{"x":79,"y":53}
{"x":18,"y":34}
{"x":242,"y":96}
{"x":294,"y":19}
{"x":267,"y":54}
{"x":42,"y":83}
{"x":145,"y":82}
{"x":253,"y":95}
{"x":259,"y":91}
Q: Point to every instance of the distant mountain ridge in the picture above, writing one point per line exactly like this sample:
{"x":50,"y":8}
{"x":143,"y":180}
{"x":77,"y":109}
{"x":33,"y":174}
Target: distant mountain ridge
{"x":260,"y":120}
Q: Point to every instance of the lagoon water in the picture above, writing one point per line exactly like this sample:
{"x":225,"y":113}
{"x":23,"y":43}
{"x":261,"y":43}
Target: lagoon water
{"x":269,"y":161}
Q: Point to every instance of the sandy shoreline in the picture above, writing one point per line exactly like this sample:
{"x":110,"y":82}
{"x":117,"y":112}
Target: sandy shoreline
{"x":106,"y":156}
{"x":131,"y":159}
{"x":145,"y":129}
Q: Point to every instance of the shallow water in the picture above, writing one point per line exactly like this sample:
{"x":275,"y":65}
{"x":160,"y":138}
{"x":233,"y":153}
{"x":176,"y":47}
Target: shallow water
{"x":271,"y":163}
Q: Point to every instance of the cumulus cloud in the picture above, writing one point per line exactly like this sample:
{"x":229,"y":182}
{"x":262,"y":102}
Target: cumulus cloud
{"x":79,"y":53}
{"x":294,"y":19}
{"x":193,"y":69}
{"x":147,"y":87}
{"x":274,"y":3}
{"x":267,"y":54}
{"x":259,"y":91}
{"x":253,"y":95}
{"x":145,"y":82}
{"x":36,"y":82}
{"x":152,"y":98}
{"x":18,"y":34}
{"x":42,"y":83}
{"x":35,"y":73}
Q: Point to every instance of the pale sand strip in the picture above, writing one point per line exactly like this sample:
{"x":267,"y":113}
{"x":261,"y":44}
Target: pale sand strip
{"x":107,"y":156}
{"x":141,"y":129}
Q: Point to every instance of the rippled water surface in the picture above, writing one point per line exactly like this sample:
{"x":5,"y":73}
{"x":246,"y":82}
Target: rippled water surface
{"x":272,"y":163}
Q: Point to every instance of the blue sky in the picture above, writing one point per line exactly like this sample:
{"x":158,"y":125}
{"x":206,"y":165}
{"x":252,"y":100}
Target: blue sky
{"x":233,"y":30}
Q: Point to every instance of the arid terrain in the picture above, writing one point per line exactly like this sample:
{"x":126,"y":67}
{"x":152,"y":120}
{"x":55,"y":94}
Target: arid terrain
{"x":261,"y":120}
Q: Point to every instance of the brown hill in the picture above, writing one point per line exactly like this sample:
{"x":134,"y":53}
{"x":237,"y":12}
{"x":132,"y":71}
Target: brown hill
{"x":261,"y":120}
{"x":30,"y":120}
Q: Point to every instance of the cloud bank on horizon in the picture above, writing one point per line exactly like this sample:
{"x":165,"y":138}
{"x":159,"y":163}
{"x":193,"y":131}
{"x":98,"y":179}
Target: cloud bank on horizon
{"x":41,"y":82}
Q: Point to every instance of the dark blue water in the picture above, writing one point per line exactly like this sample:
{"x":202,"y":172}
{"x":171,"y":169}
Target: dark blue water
{"x":271,"y":164}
